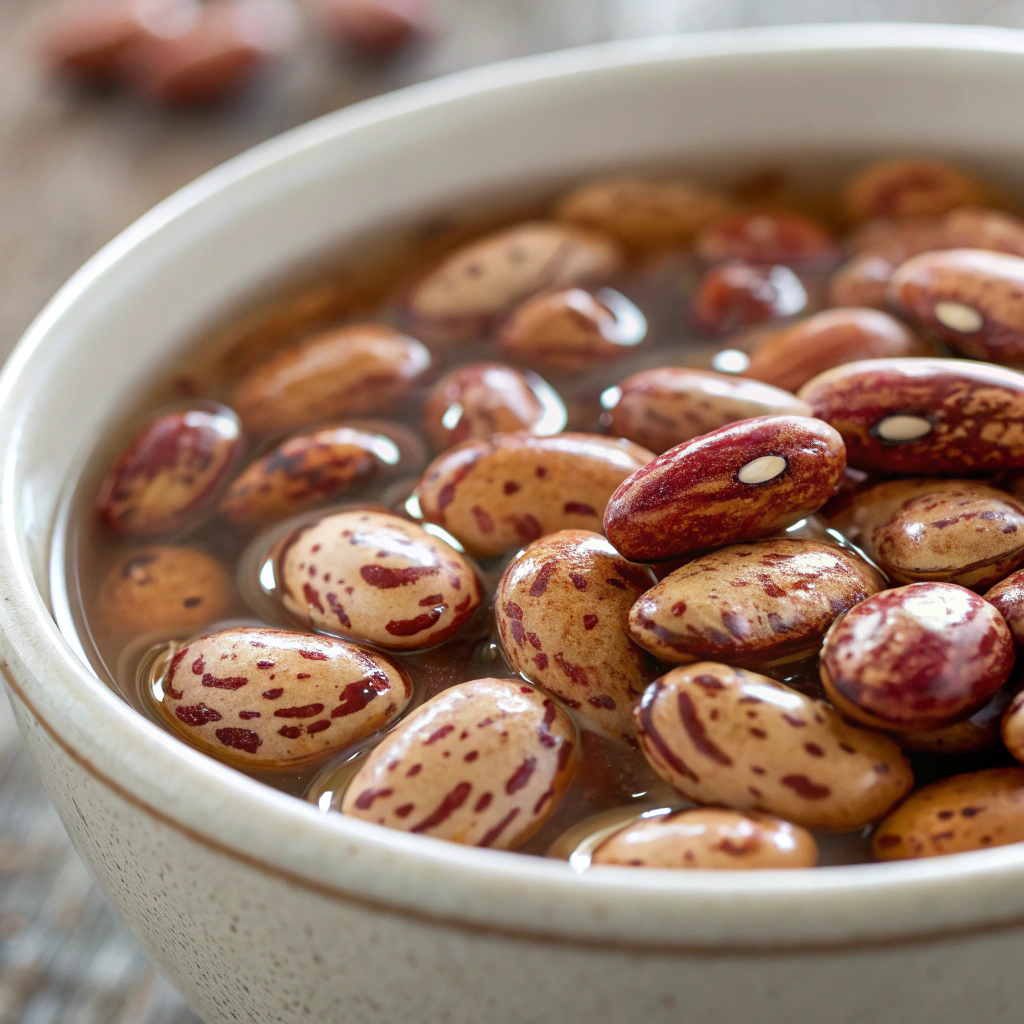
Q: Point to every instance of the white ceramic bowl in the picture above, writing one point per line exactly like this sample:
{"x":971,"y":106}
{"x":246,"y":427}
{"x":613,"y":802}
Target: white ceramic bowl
{"x":264,"y":910}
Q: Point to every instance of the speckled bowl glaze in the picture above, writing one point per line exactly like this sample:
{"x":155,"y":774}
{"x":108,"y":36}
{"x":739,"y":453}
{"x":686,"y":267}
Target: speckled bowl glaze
{"x":264,"y":910}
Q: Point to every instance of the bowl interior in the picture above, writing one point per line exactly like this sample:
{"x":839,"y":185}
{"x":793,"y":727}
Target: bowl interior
{"x":802,"y":98}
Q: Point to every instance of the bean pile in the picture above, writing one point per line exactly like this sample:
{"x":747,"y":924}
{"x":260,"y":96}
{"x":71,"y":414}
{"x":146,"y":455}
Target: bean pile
{"x":634,"y":612}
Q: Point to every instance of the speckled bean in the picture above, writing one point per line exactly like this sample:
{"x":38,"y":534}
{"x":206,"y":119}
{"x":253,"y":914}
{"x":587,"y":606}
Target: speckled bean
{"x":271,"y":698}
{"x":916,"y":657}
{"x":897,"y":239}
{"x":910,"y":187}
{"x":791,"y":356}
{"x":171,"y":471}
{"x":376,"y":577}
{"x":737,"y":295}
{"x":934,"y":416}
{"x":573,"y":329}
{"x":737,"y":483}
{"x":162,"y":589}
{"x":666,"y":406}
{"x":710,"y":838}
{"x":357,"y":370}
{"x":561,"y":610}
{"x":481,"y":399}
{"x":1007,"y":597}
{"x":727,"y":736}
{"x":971,"y":299}
{"x":979,"y":732}
{"x":974,"y":811}
{"x":862,"y":282}
{"x":459,"y":299}
{"x":496,"y":494}
{"x":1012,"y":727}
{"x":978,"y":228}
{"x":972,"y":535}
{"x":306,"y":471}
{"x":791,"y":239}
{"x":644,"y":212}
{"x":484,"y":763}
{"x":751,"y":605}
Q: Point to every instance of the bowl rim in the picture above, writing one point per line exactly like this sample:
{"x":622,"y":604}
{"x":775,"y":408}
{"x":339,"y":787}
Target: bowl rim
{"x":530,"y":899}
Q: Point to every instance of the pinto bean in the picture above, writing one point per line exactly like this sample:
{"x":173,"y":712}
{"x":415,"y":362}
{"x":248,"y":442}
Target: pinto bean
{"x":358,"y":370}
{"x":1012,"y":727}
{"x":862,"y":282}
{"x":461,"y":297}
{"x":751,"y":605}
{"x":971,"y":299}
{"x":969,"y":735}
{"x":897,"y":239}
{"x":917,"y":657}
{"x":561,"y":610}
{"x":861,"y":513}
{"x":787,"y":238}
{"x":484,"y":763}
{"x":1007,"y":597}
{"x":664,"y":407}
{"x":162,"y":589}
{"x":307,"y":471}
{"x":791,"y":356}
{"x":644,"y":213}
{"x":737,"y":483}
{"x":727,"y":736}
{"x":709,"y":838}
{"x":377,"y":577}
{"x":573,"y":329}
{"x":972,"y":535}
{"x":737,"y":295}
{"x":974,"y":811}
{"x":498,"y":493}
{"x":907,"y":187}
{"x":270,"y":698}
{"x":927,"y":416}
{"x":481,"y":399}
{"x":171,"y":471}
{"x":977,"y":228}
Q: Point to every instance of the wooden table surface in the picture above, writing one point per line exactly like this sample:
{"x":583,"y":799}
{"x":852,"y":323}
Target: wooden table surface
{"x":75,"y":170}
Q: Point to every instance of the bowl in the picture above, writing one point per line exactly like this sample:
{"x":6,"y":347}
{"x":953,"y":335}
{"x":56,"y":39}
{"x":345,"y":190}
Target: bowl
{"x":261,"y":908}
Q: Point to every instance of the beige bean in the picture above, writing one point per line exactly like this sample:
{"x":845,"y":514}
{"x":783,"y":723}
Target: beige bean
{"x":710,"y":838}
{"x":270,"y":698}
{"x":162,"y":589}
{"x":979,"y":732}
{"x":751,"y":605}
{"x":459,"y":299}
{"x":909,"y":187}
{"x":377,"y":577}
{"x":898,"y":238}
{"x":481,"y":399}
{"x":307,"y":471}
{"x":727,"y":736}
{"x":573,"y":329}
{"x":978,"y":228}
{"x":666,"y":406}
{"x":790,"y":357}
{"x":499,"y":493}
{"x":170,"y":472}
{"x":974,"y":811}
{"x":644,"y":212}
{"x":484,"y":763}
{"x":972,"y":535}
{"x":358,"y":370}
{"x":561,"y":610}
{"x":862,"y":282}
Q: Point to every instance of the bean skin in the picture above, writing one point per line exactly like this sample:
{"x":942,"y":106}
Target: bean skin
{"x":271,"y":698}
{"x":727,"y":736}
{"x":561,"y":610}
{"x":484,"y":763}
{"x":710,"y":838}
{"x":751,"y":605}
{"x":790,"y":239}
{"x":908,"y":187}
{"x":974,"y":811}
{"x":498,"y":493}
{"x":916,"y":657}
{"x":741,"y":482}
